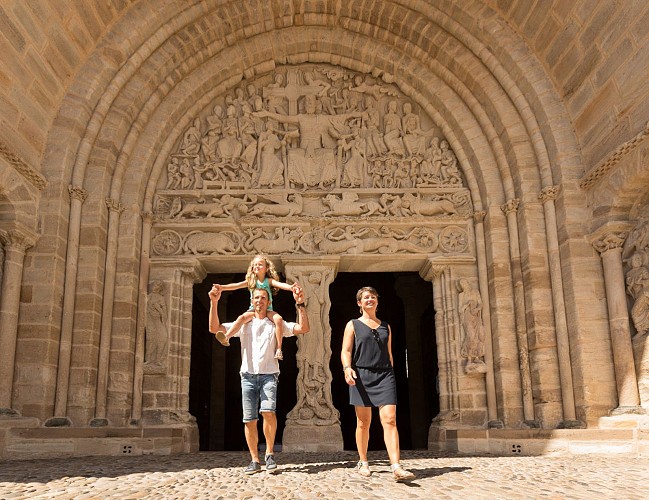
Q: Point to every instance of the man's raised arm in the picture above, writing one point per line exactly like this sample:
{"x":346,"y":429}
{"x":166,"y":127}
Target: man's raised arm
{"x":302,"y":317}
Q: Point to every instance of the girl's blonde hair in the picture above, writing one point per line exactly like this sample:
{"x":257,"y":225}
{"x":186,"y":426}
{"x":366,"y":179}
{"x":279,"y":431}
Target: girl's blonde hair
{"x":271,"y":272}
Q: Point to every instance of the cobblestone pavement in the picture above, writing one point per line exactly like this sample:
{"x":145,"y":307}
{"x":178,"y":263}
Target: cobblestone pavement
{"x":329,"y":475}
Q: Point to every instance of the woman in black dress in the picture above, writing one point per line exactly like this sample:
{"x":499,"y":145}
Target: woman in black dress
{"x":367,"y":362}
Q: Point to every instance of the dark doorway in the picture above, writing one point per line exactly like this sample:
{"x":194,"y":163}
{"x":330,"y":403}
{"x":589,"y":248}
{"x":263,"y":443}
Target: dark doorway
{"x":406,"y":303}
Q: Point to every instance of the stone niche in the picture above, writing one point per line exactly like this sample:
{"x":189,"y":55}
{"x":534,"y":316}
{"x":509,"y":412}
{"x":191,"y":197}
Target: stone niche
{"x":311,"y":159}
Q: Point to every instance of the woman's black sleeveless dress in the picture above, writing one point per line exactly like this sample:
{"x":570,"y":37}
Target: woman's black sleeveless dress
{"x":375,"y":382}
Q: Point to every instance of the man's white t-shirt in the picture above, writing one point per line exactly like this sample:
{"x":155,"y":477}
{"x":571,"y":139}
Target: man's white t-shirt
{"x":258,"y":345}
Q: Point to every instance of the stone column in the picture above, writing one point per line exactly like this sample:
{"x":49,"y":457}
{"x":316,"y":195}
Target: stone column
{"x":608,"y":241}
{"x":138,"y":370}
{"x":114,"y":210}
{"x":490,"y":382}
{"x":15,"y":243}
{"x":547,"y":197}
{"x":314,"y":423}
{"x":446,"y":377}
{"x":509,"y":209}
{"x":77,"y":196}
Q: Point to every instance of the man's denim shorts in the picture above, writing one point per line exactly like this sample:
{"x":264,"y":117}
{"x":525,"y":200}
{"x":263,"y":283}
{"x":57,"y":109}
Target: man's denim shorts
{"x":256,"y":390}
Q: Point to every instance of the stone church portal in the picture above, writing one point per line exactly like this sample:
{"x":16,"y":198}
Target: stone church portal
{"x":486,"y":161}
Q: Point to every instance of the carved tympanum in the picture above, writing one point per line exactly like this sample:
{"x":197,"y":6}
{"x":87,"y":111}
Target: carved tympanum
{"x":324,"y":147}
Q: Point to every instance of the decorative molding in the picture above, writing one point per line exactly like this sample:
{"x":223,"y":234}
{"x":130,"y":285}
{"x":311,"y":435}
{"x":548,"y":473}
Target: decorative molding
{"x":591,"y":178}
{"x":29,"y":173}
{"x":478,"y":217}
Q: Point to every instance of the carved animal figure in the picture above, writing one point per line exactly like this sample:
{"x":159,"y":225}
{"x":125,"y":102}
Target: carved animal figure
{"x":348,"y":205}
{"x":428,"y":207}
{"x":281,"y":208}
{"x":217,"y":208}
{"x":286,"y":241}
{"x":198,"y":242}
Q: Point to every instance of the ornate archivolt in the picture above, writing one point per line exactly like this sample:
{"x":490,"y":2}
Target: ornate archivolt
{"x":312,"y":159}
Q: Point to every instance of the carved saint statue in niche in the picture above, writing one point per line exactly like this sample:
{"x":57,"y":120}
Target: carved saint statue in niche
{"x":157,"y":334}
{"x":470,"y":309}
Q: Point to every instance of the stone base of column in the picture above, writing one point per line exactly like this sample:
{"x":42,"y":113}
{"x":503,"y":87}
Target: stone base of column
{"x":58,"y":422}
{"x":571,"y":424}
{"x":312,"y":438}
{"x":628,"y":410}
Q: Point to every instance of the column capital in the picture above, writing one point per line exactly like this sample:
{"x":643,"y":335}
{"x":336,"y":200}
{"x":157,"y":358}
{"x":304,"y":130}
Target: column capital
{"x":114,"y":205}
{"x":479,"y":215}
{"x":147,"y":217}
{"x":77,"y":193}
{"x":432,"y":270}
{"x":549,"y":193}
{"x":510,"y":206}
{"x":18,"y":238}
{"x":610,"y":236}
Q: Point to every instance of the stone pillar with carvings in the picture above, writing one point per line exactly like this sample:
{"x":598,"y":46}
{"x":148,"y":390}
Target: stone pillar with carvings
{"x":15,"y":243}
{"x":165,"y":394}
{"x":608,"y":241}
{"x":313,"y":424}
{"x":446,"y":378}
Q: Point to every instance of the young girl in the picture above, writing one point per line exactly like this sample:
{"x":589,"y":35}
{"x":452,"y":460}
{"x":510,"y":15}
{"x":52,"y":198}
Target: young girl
{"x":259,"y":270}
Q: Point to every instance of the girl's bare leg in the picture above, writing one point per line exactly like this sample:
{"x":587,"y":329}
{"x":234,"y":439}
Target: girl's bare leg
{"x":279,"y":332}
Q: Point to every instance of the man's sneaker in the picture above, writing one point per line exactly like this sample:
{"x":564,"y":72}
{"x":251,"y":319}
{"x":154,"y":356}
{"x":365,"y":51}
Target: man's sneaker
{"x":400,"y":474}
{"x":253,"y":468}
{"x":363,"y":469}
{"x":271,"y":466}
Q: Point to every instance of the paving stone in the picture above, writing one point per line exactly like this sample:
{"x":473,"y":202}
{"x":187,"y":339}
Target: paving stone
{"x":331,"y":475}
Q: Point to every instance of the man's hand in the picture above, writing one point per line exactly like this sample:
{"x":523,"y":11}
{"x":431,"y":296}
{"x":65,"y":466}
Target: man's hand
{"x":298,"y":294}
{"x":215,"y":293}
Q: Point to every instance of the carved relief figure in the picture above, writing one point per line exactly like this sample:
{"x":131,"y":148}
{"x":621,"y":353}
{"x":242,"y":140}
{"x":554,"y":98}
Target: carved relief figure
{"x":156,"y":328}
{"x":392,"y":130}
{"x":314,"y":404}
{"x":192,"y":139}
{"x":637,"y":281}
{"x":282,"y":206}
{"x":313,"y":163}
{"x":414,"y":138}
{"x":470,"y":309}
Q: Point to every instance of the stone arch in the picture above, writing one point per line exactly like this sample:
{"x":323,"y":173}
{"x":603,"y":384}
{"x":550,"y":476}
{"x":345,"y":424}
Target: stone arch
{"x":495,"y":137}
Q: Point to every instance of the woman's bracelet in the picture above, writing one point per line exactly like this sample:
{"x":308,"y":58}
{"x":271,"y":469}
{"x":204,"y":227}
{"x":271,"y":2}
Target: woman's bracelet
{"x":347,"y":366}
{"x":300,"y":304}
